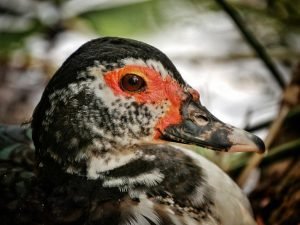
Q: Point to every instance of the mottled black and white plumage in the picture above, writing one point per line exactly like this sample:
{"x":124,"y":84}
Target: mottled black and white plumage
{"x":104,"y":134}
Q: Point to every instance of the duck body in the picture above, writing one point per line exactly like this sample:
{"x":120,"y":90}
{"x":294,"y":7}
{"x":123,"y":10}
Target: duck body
{"x":162,"y":184}
{"x":104,"y":134}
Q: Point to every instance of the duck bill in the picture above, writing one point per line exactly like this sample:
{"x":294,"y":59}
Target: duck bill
{"x":200,"y":127}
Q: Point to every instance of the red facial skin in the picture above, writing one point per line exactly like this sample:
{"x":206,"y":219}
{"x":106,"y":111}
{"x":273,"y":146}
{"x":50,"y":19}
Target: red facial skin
{"x":158,"y":90}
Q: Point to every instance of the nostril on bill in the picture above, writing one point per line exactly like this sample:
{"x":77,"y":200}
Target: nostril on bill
{"x":200,"y":119}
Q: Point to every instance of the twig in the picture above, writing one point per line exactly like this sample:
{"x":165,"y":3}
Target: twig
{"x":252,"y":41}
{"x":256,"y":159}
{"x":259,"y":126}
{"x":291,"y":98}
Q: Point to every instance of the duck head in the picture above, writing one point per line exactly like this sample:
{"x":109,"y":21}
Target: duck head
{"x":113,"y":94}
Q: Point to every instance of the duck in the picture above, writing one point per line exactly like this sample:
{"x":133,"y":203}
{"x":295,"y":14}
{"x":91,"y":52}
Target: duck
{"x":112,"y":134}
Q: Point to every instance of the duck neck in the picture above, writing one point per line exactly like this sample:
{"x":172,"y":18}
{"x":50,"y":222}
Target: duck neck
{"x":154,"y":169}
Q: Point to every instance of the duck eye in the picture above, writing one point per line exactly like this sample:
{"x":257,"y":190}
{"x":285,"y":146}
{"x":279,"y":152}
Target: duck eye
{"x":132,"y":83}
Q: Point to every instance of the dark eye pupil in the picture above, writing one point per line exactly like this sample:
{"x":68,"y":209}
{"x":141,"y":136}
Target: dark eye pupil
{"x":132,"y":83}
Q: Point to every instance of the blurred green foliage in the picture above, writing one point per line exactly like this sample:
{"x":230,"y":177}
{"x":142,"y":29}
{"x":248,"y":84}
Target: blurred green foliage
{"x":115,"y":20}
{"x":127,"y":18}
{"x":127,"y":21}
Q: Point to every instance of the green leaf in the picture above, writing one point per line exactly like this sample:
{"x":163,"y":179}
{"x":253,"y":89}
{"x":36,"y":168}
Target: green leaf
{"x":125,"y":20}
